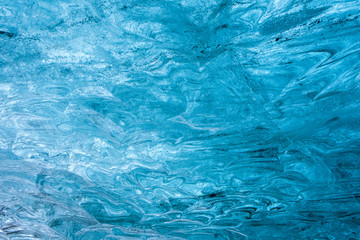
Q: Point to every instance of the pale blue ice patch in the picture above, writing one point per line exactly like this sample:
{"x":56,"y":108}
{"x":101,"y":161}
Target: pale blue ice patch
{"x":179,"y":119}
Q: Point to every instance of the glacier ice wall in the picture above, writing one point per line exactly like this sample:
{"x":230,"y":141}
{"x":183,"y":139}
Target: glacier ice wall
{"x":179,"y":119}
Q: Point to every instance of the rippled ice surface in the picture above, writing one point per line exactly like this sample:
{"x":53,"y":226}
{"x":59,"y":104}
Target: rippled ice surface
{"x":191,"y":119}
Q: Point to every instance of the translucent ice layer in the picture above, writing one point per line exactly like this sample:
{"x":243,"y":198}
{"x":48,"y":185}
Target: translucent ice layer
{"x":193,"y":119}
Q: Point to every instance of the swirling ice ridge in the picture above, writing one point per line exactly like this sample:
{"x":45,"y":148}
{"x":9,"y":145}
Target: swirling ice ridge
{"x":192,"y":119}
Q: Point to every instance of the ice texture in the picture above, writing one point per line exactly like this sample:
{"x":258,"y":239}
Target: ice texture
{"x":180,"y":119}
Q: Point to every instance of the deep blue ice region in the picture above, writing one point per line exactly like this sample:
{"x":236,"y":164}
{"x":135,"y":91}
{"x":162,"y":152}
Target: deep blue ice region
{"x":180,"y":119}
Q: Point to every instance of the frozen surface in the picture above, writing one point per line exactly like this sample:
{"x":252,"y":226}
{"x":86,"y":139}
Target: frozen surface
{"x":194,"y":119}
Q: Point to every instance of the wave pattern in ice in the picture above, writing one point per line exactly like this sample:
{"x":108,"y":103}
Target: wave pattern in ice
{"x":188,"y":119}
